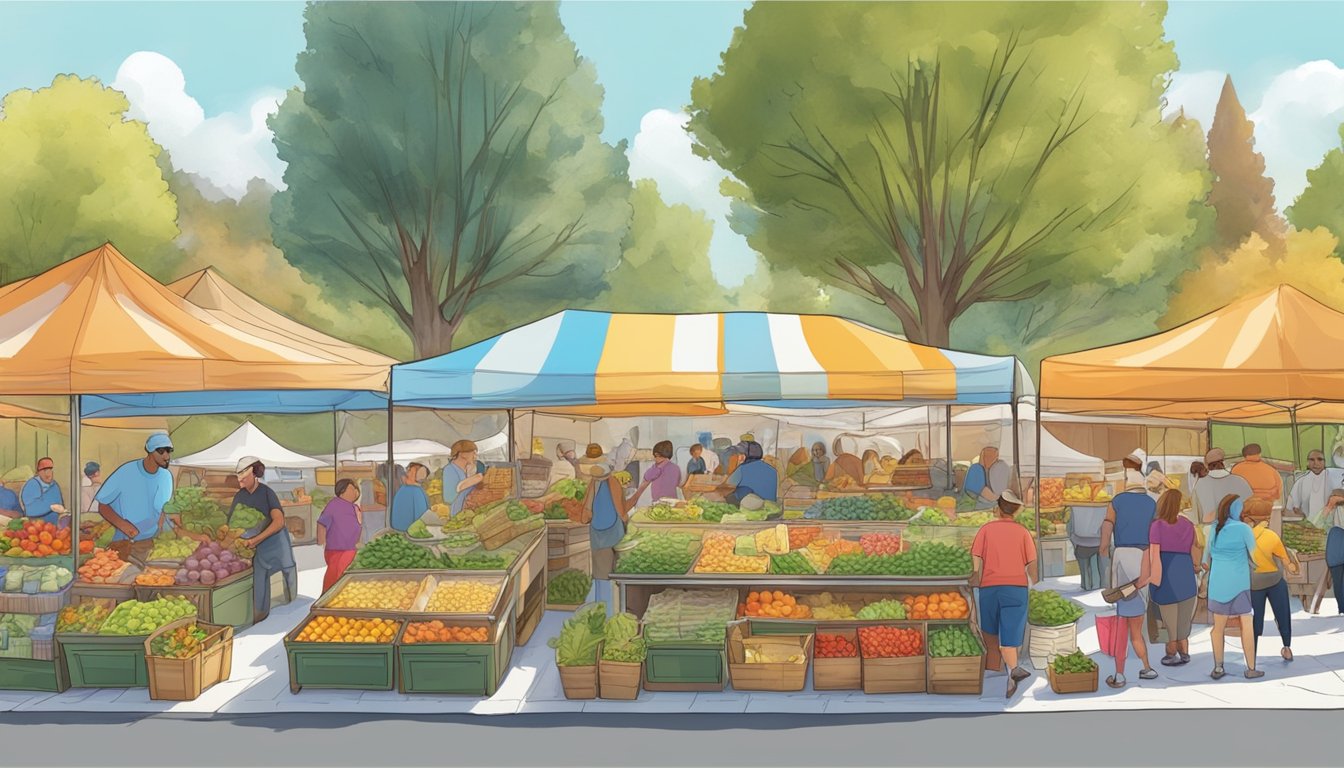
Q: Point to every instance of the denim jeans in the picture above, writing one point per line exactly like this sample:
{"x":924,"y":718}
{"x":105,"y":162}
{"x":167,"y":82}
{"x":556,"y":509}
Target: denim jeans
{"x":1277,"y":596}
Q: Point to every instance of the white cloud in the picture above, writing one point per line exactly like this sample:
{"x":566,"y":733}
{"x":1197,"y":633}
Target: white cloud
{"x":229,"y":149}
{"x":662,"y":152}
{"x":1196,"y":93}
{"x":1296,"y":123}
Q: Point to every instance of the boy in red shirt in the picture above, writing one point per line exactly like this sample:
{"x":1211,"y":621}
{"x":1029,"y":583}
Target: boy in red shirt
{"x":1003,"y":558}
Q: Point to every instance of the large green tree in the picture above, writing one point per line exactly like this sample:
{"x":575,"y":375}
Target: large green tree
{"x":76,"y":173}
{"x":939,"y":157}
{"x":664,"y":264}
{"x":445,"y":158}
{"x":1321,"y":204}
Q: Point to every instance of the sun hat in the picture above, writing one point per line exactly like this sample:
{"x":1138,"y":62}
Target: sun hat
{"x":245,"y":463}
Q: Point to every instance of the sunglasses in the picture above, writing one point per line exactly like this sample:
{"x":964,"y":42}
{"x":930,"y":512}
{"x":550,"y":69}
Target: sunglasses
{"x":164,"y":451}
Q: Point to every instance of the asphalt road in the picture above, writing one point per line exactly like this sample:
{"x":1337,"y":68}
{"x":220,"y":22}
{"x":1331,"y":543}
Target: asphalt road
{"x":1187,"y":738}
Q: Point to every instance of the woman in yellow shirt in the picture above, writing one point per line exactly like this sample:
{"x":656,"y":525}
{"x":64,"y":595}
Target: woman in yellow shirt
{"x":1267,"y":583}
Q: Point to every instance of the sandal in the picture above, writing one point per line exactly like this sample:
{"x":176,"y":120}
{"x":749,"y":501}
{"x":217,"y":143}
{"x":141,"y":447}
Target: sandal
{"x":1148,"y":674}
{"x":1115,"y":682}
{"x":1287,"y":654}
{"x":1254,"y":674}
{"x":1185,"y":658}
{"x":1173,"y":660}
{"x":1218,"y":673}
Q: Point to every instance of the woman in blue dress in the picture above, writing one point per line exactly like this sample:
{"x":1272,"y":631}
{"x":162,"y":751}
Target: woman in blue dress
{"x":1231,"y":547}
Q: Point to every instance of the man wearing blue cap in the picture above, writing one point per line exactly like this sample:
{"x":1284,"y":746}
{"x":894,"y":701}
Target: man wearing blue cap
{"x":132,"y":498}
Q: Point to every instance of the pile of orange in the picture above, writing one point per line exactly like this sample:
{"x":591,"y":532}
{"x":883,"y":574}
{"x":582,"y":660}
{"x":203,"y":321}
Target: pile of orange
{"x":343,"y":629}
{"x":103,"y":568}
{"x":939,"y":605}
{"x":156,"y":577}
{"x":716,"y":556}
{"x":438,"y":632}
{"x":773,"y":605}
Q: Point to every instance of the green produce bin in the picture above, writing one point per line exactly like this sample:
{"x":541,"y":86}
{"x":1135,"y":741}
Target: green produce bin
{"x":32,"y":675}
{"x":685,"y":668}
{"x":228,"y":602}
{"x":474,"y":669}
{"x":357,"y":666}
{"x":104,"y":661}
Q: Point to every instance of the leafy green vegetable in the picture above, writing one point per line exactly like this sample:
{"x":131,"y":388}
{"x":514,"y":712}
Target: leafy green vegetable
{"x":576,"y":645}
{"x":622,"y":641}
{"x":571,"y":488}
{"x":246,"y":517}
{"x":418,"y":530}
{"x":569,"y":588}
{"x":199,"y":513}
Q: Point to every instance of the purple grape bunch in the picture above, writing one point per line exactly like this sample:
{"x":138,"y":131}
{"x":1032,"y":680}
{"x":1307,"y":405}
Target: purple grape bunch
{"x":211,"y":563}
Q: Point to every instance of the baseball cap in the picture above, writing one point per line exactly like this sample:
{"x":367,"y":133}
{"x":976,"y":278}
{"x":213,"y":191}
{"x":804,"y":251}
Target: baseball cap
{"x":1011,"y":498}
{"x":156,"y":441}
{"x":245,"y":463}
{"x":1214,"y":455}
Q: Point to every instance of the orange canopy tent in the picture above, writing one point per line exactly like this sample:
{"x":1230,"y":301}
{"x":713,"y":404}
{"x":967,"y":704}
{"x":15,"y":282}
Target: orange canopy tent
{"x":1268,"y":359}
{"x":97,"y":324}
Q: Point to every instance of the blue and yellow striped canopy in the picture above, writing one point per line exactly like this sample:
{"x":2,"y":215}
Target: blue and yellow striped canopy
{"x":607,"y":364}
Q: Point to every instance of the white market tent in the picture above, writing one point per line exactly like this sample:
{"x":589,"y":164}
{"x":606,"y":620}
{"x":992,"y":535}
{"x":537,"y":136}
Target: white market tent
{"x":402,"y":451}
{"x":248,"y":440}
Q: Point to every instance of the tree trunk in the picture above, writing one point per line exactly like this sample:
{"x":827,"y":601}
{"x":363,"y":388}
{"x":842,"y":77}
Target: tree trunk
{"x":431,"y":333}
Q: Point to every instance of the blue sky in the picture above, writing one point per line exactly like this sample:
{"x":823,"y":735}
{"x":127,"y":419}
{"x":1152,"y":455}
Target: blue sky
{"x":206,"y":72}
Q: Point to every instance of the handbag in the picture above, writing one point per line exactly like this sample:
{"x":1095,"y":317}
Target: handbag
{"x":1113,"y":636}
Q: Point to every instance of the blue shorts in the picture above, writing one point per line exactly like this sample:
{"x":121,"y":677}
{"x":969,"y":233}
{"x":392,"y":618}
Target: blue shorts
{"x":1003,"y":612}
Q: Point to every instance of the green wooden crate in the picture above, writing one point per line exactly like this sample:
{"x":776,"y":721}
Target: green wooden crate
{"x":104,"y":661}
{"x":228,"y":602}
{"x":357,"y":666}
{"x":685,"y":668}
{"x":782,"y":626}
{"x":475,"y":669}
{"x":32,"y":675}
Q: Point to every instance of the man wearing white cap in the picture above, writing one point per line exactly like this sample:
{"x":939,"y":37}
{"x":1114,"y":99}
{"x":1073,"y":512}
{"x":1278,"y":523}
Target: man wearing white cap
{"x":132,"y":498}
{"x":1003,"y":562}
{"x":274,"y":553}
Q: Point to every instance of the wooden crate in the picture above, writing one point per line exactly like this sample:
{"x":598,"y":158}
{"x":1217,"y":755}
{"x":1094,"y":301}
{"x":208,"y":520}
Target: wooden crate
{"x":838,"y":674}
{"x":782,"y":677}
{"x":898,"y":675}
{"x":1074,"y":682}
{"x":957,"y":675}
{"x":185,"y":679}
{"x":579,"y":683}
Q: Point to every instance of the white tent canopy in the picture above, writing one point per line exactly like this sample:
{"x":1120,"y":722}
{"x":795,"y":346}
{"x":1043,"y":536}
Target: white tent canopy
{"x":402,"y":452}
{"x":248,"y":440}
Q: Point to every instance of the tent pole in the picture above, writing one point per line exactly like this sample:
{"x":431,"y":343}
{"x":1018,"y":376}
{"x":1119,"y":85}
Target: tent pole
{"x":1017,"y":453}
{"x":1208,"y":436}
{"x":1297,"y":447}
{"x":1040,"y":548}
{"x":76,"y":494}
{"x":391,"y":463}
{"x":947,"y":449}
{"x":513,"y":449}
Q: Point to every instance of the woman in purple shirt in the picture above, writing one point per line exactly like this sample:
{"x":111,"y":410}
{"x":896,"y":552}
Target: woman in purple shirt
{"x":338,"y":530}
{"x":1172,"y":554}
{"x":664,"y":476}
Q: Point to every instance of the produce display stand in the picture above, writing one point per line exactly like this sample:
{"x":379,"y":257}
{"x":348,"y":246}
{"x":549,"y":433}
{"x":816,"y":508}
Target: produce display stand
{"x":475,"y":669}
{"x":34,"y":670}
{"x":429,"y":579}
{"x":1311,"y":583}
{"x":527,"y":578}
{"x":228,"y":601}
{"x":358,"y":666}
{"x":103,"y":661}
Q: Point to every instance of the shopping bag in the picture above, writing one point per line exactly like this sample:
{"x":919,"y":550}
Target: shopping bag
{"x":1113,"y":636}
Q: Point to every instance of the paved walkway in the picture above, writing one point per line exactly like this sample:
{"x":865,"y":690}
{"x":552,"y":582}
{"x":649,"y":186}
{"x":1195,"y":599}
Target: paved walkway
{"x":260,"y":682}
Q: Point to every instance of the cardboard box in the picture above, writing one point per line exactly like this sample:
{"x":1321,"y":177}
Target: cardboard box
{"x":767,"y":677}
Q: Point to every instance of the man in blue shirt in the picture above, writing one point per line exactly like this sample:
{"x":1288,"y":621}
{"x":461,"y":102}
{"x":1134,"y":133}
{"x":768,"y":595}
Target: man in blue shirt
{"x":132,"y":498}
{"x":41,"y":495}
{"x":9,"y":503}
{"x":753,"y":476}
